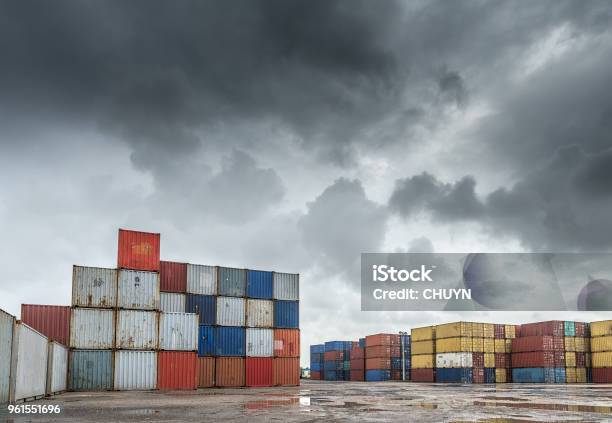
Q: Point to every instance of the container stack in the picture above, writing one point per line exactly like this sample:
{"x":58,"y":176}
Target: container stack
{"x":538,"y":354}
{"x":286,"y":293}
{"x":316,"y":361}
{"x":423,"y":354}
{"x":601,"y":347}
{"x":400,"y":366}
{"x":576,"y":347}
{"x":504,"y":334}
{"x":333,"y":360}
{"x":455,"y":359}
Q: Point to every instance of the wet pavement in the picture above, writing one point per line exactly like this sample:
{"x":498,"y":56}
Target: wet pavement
{"x":340,"y":402}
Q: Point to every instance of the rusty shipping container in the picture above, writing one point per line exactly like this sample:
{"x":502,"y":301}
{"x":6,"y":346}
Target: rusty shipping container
{"x":138,"y":290}
{"x":177,"y":370}
{"x":172,"y":276}
{"x":138,"y":250}
{"x":286,"y":371}
{"x":259,"y":371}
{"x":260,"y":313}
{"x":137,"y":330}
{"x":50,"y":320}
{"x":286,"y":342}
{"x":206,"y":372}
{"x":94,"y":287}
{"x":92,"y":328}
{"x":229,"y":372}
{"x":7,"y":323}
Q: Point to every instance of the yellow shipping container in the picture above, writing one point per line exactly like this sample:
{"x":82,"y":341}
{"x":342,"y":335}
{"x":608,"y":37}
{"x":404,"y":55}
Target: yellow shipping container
{"x":581,"y":375}
{"x":570,"y":359}
{"x":510,"y":331}
{"x":477,"y":330}
{"x":489,"y":360}
{"x":580,"y":344}
{"x":488,"y":345}
{"x":508,"y":346}
{"x":477,"y":345}
{"x":454,"y":330}
{"x":570,"y":343}
{"x":602,"y":359}
{"x":423,"y":334}
{"x":447,"y":345}
{"x":570,"y":375}
{"x":602,"y":343}
{"x":423,"y":361}
{"x":500,"y":345}
{"x":488,"y":330}
{"x":422,"y":347}
{"x":500,"y":375}
{"x":603,"y":328}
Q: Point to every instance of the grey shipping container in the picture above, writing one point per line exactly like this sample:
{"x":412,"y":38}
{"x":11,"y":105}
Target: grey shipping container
{"x":259,"y":342}
{"x":94,"y":287}
{"x":172,"y":302}
{"x":92,"y":328}
{"x":137,"y":330}
{"x":232,"y":282}
{"x":135,"y":370}
{"x":178,"y":331}
{"x":29,"y":363}
{"x":57,"y":368}
{"x":201,"y":279}
{"x":230,"y":311}
{"x":260,"y":313}
{"x":286,"y":286}
{"x":138,"y":290}
{"x":7,"y":321}
{"x":91,"y":370}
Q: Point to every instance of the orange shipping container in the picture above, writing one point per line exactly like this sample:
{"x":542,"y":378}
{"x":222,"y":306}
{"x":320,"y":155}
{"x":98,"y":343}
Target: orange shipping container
{"x":138,"y":250}
{"x":382,"y":351}
{"x":177,"y":370}
{"x":382,"y":339}
{"x":378,"y":363}
{"x":286,"y":371}
{"x":229,"y":372}
{"x":206,"y":372}
{"x":50,"y":320}
{"x":286,"y":342}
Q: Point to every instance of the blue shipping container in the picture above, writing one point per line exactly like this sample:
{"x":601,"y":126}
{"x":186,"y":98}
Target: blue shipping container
{"x":489,"y":375}
{"x":332,"y":375}
{"x":396,"y":363}
{"x":286,"y":314}
{"x":456,"y":375}
{"x":377,"y":375}
{"x":230,"y":341}
{"x":559,"y":374}
{"x":316,"y":357}
{"x":203,"y":305}
{"x":528,"y":375}
{"x":232,"y":282}
{"x":346,"y":375}
{"x":91,"y":370}
{"x":315,"y":366}
{"x":569,"y":328}
{"x":333,"y":365}
{"x":318,"y":348}
{"x":361,"y":342}
{"x":335,"y":345}
{"x":206,"y":341}
{"x":259,"y":284}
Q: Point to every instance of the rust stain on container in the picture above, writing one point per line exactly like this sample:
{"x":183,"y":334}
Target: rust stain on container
{"x":286,"y":342}
{"x":50,"y":320}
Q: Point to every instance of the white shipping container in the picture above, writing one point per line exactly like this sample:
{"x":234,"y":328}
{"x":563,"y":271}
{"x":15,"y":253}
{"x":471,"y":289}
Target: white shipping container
{"x":286,"y":286}
{"x":7,"y":323}
{"x":94,"y":287}
{"x":172,"y":302}
{"x":92,"y":328}
{"x":137,"y":330}
{"x":135,"y":370}
{"x":259,"y":342}
{"x":454,"y":360}
{"x":230,"y":311}
{"x":201,"y":279}
{"x":260,"y":313}
{"x":138,"y":290}
{"x":29,"y":363}
{"x":178,"y":331}
{"x":57,"y":368}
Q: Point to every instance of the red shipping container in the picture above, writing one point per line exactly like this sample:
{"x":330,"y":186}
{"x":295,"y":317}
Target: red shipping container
{"x":378,"y":339}
{"x":395,"y":351}
{"x":357,"y":353}
{"x":580,"y":359}
{"x":50,"y":320}
{"x":172,"y":276}
{"x":395,"y":340}
{"x":478,"y":375}
{"x":177,"y":370}
{"x":533,"y":359}
{"x":287,"y":371}
{"x":500,"y":331}
{"x":333,"y":356}
{"x":422,"y":375}
{"x":357,"y":375}
{"x":229,"y":371}
{"x":533,"y":343}
{"x":138,"y":250}
{"x":397,"y":374}
{"x":559,"y":358}
{"x":558,"y":343}
{"x":286,"y":342}
{"x":478,"y":360}
{"x":378,"y":351}
{"x":378,"y":363}
{"x":602,"y":375}
{"x":315,"y":375}
{"x":580,"y":328}
{"x":206,"y":372}
{"x":259,"y":371}
{"x":550,"y":328}
{"x":502,"y":360}
{"x":358,"y":364}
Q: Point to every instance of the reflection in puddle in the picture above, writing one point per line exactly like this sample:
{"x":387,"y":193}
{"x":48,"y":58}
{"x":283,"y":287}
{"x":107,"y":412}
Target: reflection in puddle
{"x":543,"y":406}
{"x":258,"y":405}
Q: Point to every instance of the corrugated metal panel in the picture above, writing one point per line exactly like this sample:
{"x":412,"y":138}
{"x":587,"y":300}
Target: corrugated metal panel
{"x":229,"y":372}
{"x":259,"y":371}
{"x":286,"y":314}
{"x":206,"y":341}
{"x":230,"y":311}
{"x":50,"y":320}
{"x":286,"y":371}
{"x":260,"y":313}
{"x":232,"y":282}
{"x":172,"y":302}
{"x":286,"y":286}
{"x":259,"y":342}
{"x":137,"y":330}
{"x":91,"y":370}
{"x":229,"y":341}
{"x":601,"y":328}
{"x":138,"y":290}
{"x":423,"y":334}
{"x":178,"y":331}
{"x":172,"y":276}
{"x":177,"y":370}
{"x":138,"y":250}
{"x":205,"y":306}
{"x":206,"y":372}
{"x":259,"y":284}
{"x":94,"y":287}
{"x":287,"y":343}
{"x":7,"y":321}
{"x":135,"y":370}
{"x":92,"y":328}
{"x":201,"y":279}
{"x":599,"y":344}
{"x":454,"y":360}
{"x":29,"y":363}
{"x":57,"y":370}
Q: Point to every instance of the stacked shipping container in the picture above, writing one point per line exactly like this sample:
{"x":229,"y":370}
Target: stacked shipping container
{"x":335,"y":355}
{"x":356,"y":363}
{"x":423,"y":354}
{"x":601,"y":347}
{"x":381,"y":349}
{"x":538,"y":354}
{"x":577,"y":351}
{"x":316,"y":361}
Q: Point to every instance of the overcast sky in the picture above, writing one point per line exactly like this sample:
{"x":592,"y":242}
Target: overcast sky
{"x":294,"y":135}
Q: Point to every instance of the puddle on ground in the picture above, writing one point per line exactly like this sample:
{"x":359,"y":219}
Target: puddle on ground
{"x":543,"y":406}
{"x":502,"y":398}
{"x":258,"y":405}
{"x":509,"y":420}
